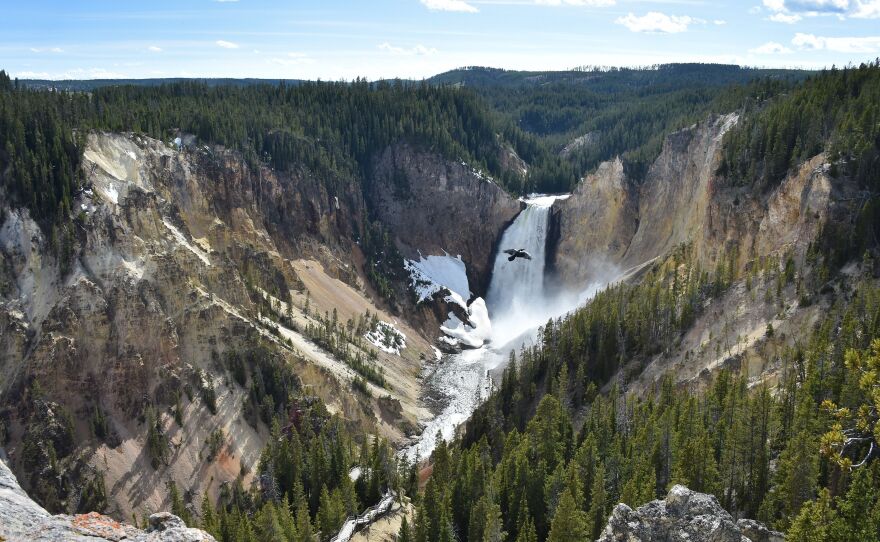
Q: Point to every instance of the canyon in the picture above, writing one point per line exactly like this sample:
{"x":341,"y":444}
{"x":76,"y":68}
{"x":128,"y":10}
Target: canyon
{"x":184,"y":253}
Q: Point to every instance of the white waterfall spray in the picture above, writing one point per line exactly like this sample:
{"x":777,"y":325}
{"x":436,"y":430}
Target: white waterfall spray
{"x":516,"y":292}
{"x":513,"y":282}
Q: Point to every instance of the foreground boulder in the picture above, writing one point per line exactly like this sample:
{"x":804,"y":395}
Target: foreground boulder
{"x":22,"y":519}
{"x":684,"y":515}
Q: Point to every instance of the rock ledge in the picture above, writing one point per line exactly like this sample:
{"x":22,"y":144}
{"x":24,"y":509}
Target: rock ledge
{"x":22,"y":519}
{"x":684,"y":515}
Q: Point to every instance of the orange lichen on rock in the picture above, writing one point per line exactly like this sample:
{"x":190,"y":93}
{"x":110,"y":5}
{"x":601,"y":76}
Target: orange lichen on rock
{"x":97,"y":524}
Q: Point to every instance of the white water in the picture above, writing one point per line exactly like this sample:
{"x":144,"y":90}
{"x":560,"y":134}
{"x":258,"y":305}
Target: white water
{"x":518,"y":304}
{"x":516,"y":298}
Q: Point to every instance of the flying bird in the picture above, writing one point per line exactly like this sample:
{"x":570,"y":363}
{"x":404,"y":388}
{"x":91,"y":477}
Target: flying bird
{"x":517,"y":253}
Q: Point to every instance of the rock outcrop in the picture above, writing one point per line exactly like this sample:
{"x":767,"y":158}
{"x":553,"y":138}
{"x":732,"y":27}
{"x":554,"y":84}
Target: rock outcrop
{"x":21,"y":519}
{"x":684,"y":515}
{"x":433,"y":205}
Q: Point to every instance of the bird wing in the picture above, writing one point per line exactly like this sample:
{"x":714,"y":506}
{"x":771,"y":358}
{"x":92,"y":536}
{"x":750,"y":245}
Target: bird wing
{"x":526,"y":255}
{"x":510,"y":251}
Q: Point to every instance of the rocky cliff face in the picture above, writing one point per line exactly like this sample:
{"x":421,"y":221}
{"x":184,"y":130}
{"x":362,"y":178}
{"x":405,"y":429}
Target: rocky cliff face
{"x":612,"y":222}
{"x":595,"y":226}
{"x":173,"y":253}
{"x":684,"y":515}
{"x":434,"y":205}
{"x":612,"y":228}
{"x":23,"y":519}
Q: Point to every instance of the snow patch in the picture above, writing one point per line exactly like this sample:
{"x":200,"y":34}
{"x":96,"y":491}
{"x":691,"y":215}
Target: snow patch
{"x":134,"y":268}
{"x":543,"y":200}
{"x":112,"y":194}
{"x":729,"y":122}
{"x":386,"y":338}
{"x":182,"y":241}
{"x":473,"y":334}
{"x":430,"y":274}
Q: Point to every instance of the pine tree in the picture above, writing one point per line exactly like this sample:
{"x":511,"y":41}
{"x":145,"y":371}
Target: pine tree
{"x":493,"y":530}
{"x":569,"y":523}
{"x":527,"y":532}
{"x":178,"y":508}
{"x":598,"y":513}
{"x":303,"y":521}
{"x":446,"y":533}
{"x":329,"y":512}
{"x":209,"y":523}
{"x":405,"y":534}
{"x":818,"y":522}
{"x":267,"y":524}
{"x":641,"y":486}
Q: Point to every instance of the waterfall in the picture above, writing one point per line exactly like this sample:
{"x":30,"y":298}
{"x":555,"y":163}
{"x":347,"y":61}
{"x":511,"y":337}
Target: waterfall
{"x":514,"y":283}
{"x":516,"y":298}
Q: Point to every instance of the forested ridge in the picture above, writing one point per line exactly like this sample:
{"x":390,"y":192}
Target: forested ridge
{"x":593,"y":114}
{"x":332,"y":130}
{"x":836,"y":112}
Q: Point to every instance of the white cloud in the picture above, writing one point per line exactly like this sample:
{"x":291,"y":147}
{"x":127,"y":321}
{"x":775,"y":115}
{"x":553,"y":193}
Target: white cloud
{"x":292,"y":59}
{"x":655,"y":21}
{"x":449,"y":5}
{"x":866,"y":9}
{"x":583,"y":3}
{"x":791,"y":11}
{"x":154,"y":49}
{"x":75,"y":73}
{"x":811,"y":42}
{"x":47,"y":50}
{"x":809,"y":6}
{"x":419,"y":50}
{"x":719,"y":22}
{"x":771,"y":48}
{"x":787,"y":18}
{"x":226,"y":44}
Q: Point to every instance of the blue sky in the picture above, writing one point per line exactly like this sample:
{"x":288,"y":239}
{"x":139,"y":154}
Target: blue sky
{"x":335,"y":39}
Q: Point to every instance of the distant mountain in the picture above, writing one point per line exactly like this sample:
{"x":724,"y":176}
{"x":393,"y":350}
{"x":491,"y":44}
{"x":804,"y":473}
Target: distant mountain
{"x":600,"y":80}
{"x":86,"y":85}
{"x":610,"y":79}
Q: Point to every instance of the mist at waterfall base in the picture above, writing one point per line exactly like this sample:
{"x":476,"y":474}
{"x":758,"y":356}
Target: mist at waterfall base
{"x":519,"y":301}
